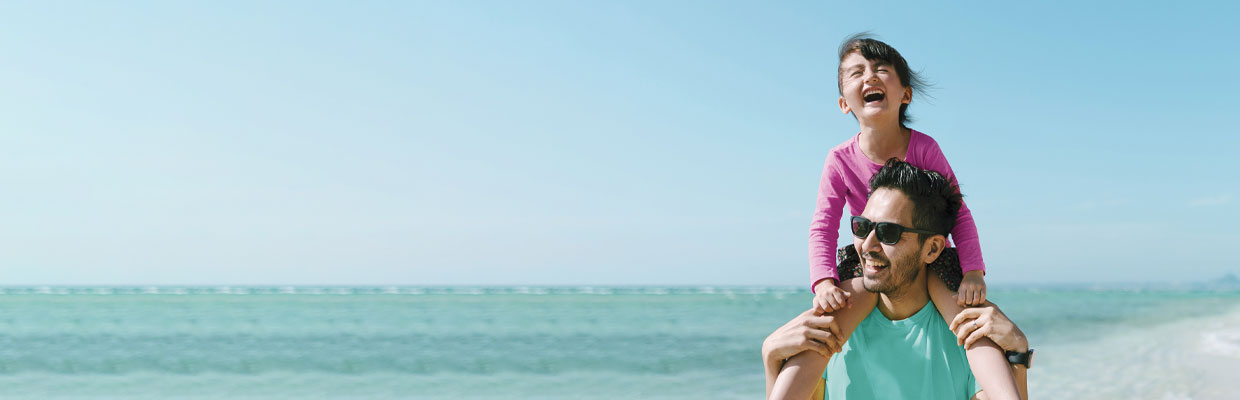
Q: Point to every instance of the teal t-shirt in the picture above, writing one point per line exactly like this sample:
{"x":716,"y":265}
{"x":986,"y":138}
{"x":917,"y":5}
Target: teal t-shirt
{"x":914,"y":358}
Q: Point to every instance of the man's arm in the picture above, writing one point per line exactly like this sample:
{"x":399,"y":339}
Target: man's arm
{"x":772,"y":371}
{"x":986,"y":359}
{"x":1015,"y":339}
{"x":1018,"y":372}
{"x":798,"y":376}
{"x":992,"y":323}
{"x":805,"y":334}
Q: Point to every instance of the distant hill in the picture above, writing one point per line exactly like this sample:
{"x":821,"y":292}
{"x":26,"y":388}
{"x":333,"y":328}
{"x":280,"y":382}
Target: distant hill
{"x":1227,"y":282}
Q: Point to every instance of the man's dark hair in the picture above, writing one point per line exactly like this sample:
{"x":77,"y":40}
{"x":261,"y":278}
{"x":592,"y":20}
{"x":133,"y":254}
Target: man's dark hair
{"x":875,"y":50}
{"x":936,"y":201}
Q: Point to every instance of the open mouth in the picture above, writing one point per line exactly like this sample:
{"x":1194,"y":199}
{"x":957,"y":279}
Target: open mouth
{"x":874,"y":96}
{"x":874,"y":267}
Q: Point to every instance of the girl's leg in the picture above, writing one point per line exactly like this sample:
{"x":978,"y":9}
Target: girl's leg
{"x":986,"y":359}
{"x":800,"y":374}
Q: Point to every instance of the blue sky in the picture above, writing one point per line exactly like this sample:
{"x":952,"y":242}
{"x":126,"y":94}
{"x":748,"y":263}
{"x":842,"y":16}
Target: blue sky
{"x":644,"y":142}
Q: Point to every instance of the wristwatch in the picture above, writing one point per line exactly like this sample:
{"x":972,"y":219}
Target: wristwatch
{"x":1016,"y":357}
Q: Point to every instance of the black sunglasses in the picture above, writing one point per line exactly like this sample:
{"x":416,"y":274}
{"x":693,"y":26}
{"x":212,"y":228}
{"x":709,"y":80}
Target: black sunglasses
{"x":888,"y":232}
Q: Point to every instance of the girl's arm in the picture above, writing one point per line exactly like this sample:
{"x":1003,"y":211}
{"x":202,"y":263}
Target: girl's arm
{"x":968,"y":246}
{"x":824,"y":229}
{"x":964,"y":234}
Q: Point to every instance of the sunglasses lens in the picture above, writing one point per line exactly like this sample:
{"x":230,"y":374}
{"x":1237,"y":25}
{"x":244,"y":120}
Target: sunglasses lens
{"x":888,"y":233}
{"x":860,"y":227}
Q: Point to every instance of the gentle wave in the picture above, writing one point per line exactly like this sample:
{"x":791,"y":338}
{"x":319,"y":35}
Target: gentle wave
{"x":355,"y":354}
{"x":401,"y":290}
{"x":479,"y":290}
{"x":1221,"y":343}
{"x":521,"y":341}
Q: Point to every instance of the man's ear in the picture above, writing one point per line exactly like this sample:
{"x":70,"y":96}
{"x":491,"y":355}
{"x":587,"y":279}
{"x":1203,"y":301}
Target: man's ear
{"x":932,"y":248}
{"x":844,"y":106}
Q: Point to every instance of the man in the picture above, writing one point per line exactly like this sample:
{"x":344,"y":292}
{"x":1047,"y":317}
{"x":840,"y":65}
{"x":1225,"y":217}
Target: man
{"x":903,"y":348}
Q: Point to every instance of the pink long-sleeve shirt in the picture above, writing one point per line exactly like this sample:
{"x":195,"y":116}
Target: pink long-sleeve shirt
{"x":846,"y":180}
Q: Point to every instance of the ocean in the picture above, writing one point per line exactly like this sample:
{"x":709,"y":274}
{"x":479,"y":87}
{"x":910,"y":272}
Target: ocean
{"x":549,"y":342}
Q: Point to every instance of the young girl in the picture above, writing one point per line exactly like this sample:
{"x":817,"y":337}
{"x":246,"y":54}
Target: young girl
{"x":876,"y":86}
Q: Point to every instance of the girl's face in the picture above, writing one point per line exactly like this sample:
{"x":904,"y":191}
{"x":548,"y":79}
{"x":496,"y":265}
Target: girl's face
{"x":871,"y":90}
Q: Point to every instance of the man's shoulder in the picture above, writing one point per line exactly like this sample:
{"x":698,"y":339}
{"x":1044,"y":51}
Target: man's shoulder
{"x":853,"y":285}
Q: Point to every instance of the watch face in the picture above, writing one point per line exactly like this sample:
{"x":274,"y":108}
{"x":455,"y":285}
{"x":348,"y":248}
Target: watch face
{"x":1029,"y":363}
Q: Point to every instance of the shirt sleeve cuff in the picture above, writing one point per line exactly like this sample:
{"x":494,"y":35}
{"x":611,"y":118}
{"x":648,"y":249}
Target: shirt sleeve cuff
{"x":814,"y":287}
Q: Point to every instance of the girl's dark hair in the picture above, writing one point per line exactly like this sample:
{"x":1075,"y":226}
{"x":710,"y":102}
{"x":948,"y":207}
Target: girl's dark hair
{"x":873,"y":49}
{"x":936,"y":201}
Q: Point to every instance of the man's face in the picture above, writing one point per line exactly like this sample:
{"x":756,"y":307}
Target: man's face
{"x":888,"y":268}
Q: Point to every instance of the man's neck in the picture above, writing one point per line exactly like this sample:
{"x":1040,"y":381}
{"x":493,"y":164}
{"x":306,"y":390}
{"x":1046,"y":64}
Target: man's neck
{"x":880,"y":143}
{"x":906,"y":301}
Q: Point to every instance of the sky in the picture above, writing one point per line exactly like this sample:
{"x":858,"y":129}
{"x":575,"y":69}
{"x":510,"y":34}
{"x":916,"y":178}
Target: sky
{"x":592,"y":143}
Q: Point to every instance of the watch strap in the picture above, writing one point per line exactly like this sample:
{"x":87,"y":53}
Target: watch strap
{"x":1016,"y":357}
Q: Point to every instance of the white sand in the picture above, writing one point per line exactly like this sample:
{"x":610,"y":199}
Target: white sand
{"x":1189,"y":359}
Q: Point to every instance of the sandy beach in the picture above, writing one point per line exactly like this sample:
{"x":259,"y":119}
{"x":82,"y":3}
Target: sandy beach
{"x":1195,"y":358}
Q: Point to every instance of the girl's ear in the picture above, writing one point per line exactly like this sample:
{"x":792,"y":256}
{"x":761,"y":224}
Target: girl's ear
{"x":844,"y":106}
{"x":908,"y":96}
{"x":932,"y":248}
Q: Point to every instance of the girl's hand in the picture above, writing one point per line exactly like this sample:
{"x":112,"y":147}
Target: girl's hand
{"x":828,"y":297}
{"x":972,"y":324}
{"x":806,"y":332}
{"x":972,"y":291}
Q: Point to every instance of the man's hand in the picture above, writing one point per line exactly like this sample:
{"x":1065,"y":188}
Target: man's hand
{"x":828,"y":297}
{"x":806,"y":332}
{"x":972,"y":291}
{"x":988,"y":321}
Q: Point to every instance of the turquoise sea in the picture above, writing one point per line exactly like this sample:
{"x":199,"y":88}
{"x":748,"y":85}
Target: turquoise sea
{"x":548,"y":342}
